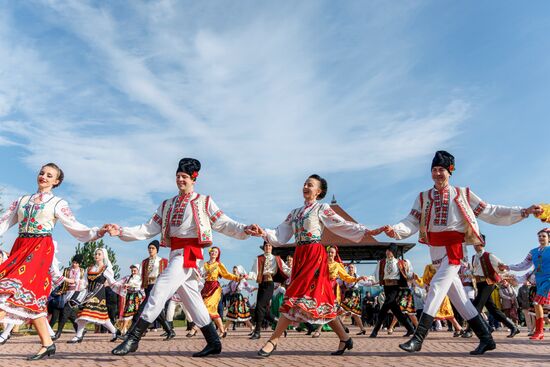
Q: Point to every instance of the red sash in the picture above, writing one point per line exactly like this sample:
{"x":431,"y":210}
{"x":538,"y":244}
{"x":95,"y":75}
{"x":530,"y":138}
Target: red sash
{"x":452,"y":240}
{"x":192,"y":251}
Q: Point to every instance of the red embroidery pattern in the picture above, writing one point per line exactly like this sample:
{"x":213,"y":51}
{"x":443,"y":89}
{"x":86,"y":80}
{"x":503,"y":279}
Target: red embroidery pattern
{"x":441,"y":203}
{"x":157,"y":219}
{"x":68,"y":213}
{"x":415,"y":213}
{"x":214,"y":217}
{"x":481,"y":207}
{"x":179,"y":209}
{"x":9,"y":212}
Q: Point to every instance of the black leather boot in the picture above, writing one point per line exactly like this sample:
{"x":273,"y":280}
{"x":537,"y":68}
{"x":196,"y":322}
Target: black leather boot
{"x":213,"y":343}
{"x":480,"y":327}
{"x":415,"y":343}
{"x":190,"y":325}
{"x":170,"y":333}
{"x":514,"y":330}
{"x":130,"y":344}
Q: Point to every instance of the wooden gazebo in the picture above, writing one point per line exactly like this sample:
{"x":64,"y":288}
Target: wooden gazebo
{"x":368,"y":251}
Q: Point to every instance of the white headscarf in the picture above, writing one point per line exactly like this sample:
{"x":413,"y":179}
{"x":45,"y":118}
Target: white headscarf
{"x":240,"y":270}
{"x":106,"y":260}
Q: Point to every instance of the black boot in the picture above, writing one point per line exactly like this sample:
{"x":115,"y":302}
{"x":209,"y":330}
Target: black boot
{"x":514,"y":330}
{"x":130,"y":344}
{"x":376,"y":328}
{"x":481,"y":329}
{"x":409,"y":326}
{"x":213,"y":343}
{"x":170,"y":333}
{"x":190,"y":325}
{"x":415,"y":343}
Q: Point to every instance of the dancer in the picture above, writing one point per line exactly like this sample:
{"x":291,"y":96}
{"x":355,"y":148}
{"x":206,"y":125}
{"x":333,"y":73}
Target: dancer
{"x":151,"y":268}
{"x":28,"y":270}
{"x":446,"y":217}
{"x":185,"y":223}
{"x":309,"y":297}
{"x":539,"y":258}
{"x":486,"y":272}
{"x":131,"y":292}
{"x":70,"y":291}
{"x":94,"y":307}
{"x":267,"y":270}
{"x":351,"y":300}
{"x":393,"y":274}
{"x":211,"y":292}
{"x":239,"y":308}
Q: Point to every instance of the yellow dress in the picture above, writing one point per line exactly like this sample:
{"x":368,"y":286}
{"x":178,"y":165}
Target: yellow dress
{"x":212,"y":291}
{"x":445,"y":310}
{"x":336,"y":270}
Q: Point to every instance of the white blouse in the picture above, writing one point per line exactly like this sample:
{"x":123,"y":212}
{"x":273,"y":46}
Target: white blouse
{"x":308,"y":222}
{"x":40,"y":218}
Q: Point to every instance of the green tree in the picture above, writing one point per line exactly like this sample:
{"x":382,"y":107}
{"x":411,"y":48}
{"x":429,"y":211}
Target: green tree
{"x":88,"y":249}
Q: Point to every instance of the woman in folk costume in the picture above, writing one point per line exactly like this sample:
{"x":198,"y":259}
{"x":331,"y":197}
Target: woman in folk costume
{"x":239,"y":308}
{"x":94,"y":307}
{"x":445,"y":311}
{"x":130,"y":291}
{"x":186,"y":223}
{"x":309,"y":297}
{"x":211,"y":293}
{"x":539,"y":258}
{"x":349,"y":297}
{"x":446,"y":217}
{"x":25,"y":279}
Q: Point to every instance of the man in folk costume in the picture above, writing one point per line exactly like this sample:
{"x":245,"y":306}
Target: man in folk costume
{"x":185,"y":223}
{"x":393,"y":274}
{"x":446,"y":217}
{"x":486,"y":273}
{"x":70,"y":291}
{"x":267,"y":270}
{"x":151,"y":268}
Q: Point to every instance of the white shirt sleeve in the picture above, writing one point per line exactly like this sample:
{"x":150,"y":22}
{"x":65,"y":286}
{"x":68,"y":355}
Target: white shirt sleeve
{"x":410,"y":224}
{"x":78,"y":230}
{"x":495,"y":214}
{"x":286,"y":269}
{"x":526,"y":264}
{"x":282,"y":234}
{"x":143,"y":231}
{"x":253,"y":274}
{"x":223,"y":224}
{"x":340,"y":226}
{"x":9,"y":217}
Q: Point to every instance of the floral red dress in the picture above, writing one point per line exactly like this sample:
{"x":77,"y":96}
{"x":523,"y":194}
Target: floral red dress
{"x":310,"y":296}
{"x":26,"y":276}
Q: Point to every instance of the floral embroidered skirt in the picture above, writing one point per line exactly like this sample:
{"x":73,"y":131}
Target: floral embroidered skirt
{"x":310,"y":297}
{"x":405,"y":300}
{"x":239,"y":308}
{"x":352,"y":301}
{"x":211,"y":295}
{"x":95,"y":310}
{"x":131,"y":305}
{"x":25,"y":281}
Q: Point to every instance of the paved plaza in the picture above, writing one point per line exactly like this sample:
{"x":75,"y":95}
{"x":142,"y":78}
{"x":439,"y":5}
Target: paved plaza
{"x":297,"y":350}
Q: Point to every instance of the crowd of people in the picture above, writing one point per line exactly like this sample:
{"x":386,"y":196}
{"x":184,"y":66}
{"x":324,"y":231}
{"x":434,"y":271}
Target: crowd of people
{"x":312,"y":290}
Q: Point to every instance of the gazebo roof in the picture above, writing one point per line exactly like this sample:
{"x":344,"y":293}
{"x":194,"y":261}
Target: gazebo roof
{"x":368,"y":250}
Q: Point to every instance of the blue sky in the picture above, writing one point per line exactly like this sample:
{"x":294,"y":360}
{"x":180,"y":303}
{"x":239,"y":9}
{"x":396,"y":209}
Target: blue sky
{"x":265,"y":94}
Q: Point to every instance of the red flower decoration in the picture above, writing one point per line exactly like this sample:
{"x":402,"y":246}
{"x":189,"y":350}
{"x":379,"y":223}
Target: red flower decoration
{"x":39,"y":227}
{"x":194,"y":175}
{"x":451,"y":168}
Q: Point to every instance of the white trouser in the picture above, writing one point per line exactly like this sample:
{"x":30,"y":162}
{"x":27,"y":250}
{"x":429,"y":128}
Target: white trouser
{"x":183,"y":281}
{"x":446,"y":281}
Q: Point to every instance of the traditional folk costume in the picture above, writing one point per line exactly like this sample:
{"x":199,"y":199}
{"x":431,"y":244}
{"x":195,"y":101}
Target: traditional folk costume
{"x":25,"y":279}
{"x":239,"y":307}
{"x":393,"y":274}
{"x":185,"y":223}
{"x":69,"y":292}
{"x":132,"y":295}
{"x":267,"y":270}
{"x":212,"y":291}
{"x":539,"y":258}
{"x":309,"y":297}
{"x":94,"y":307}
{"x":336,"y":271}
{"x":445,"y":220}
{"x":486,"y":273}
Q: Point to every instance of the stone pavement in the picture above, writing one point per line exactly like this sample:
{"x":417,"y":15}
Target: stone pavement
{"x":297,"y":350}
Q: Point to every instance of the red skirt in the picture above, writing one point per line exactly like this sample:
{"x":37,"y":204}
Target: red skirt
{"x":310,"y":296}
{"x":25,"y":281}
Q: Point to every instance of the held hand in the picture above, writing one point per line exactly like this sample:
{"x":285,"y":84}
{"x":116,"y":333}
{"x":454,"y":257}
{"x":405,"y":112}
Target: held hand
{"x":375,"y":232}
{"x":388,"y":230}
{"x":114,"y":229}
{"x":536,"y":210}
{"x":101,"y":232}
{"x":254,"y":230}
{"x":503,"y":267}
